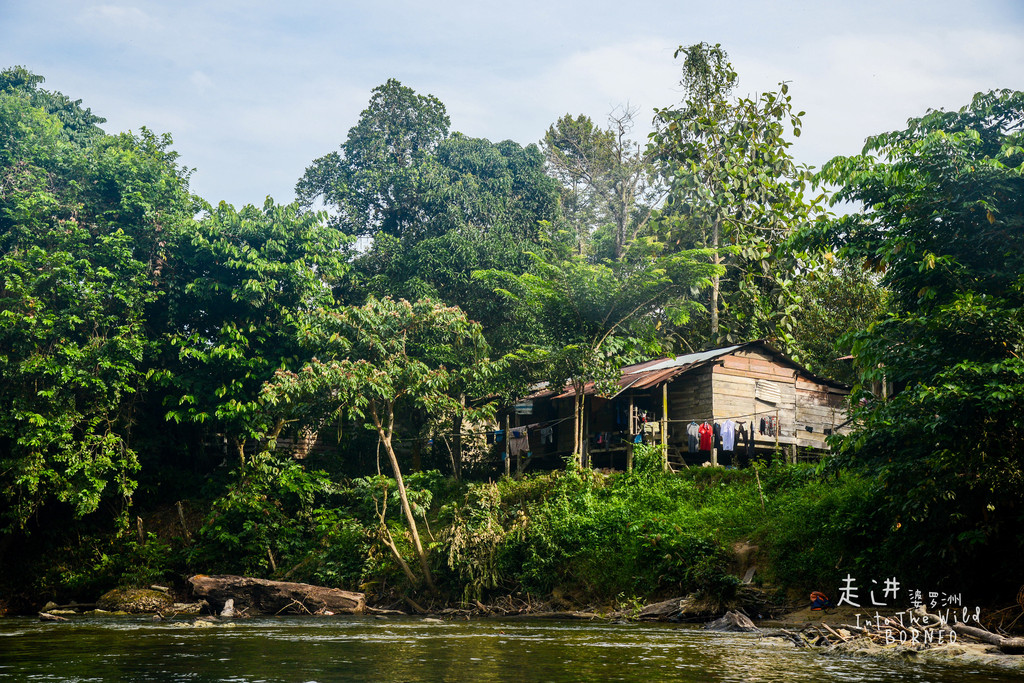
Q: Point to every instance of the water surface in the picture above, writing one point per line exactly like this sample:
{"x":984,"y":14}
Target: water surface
{"x":393,"y":650}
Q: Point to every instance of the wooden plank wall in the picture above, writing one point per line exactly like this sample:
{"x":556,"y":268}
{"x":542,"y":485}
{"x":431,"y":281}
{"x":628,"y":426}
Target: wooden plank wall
{"x":821,"y":407}
{"x":801,"y":401}
{"x":736,"y":394}
{"x":689,"y":398}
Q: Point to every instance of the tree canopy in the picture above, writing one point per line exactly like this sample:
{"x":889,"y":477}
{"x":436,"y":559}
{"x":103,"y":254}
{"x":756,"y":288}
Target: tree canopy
{"x":943,"y":222}
{"x":734,"y":187}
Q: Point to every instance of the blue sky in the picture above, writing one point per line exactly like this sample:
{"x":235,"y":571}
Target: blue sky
{"x":252,"y":91}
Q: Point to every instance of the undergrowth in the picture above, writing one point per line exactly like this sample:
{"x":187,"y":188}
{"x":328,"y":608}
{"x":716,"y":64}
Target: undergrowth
{"x":578,"y":534}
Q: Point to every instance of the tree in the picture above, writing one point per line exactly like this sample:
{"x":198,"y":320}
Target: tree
{"x":486,"y":211}
{"x":943,"y":222}
{"x":83,"y":218}
{"x":380,"y":360}
{"x":238,"y":283}
{"x":834,"y":300}
{"x":77,"y":124}
{"x":591,"y":319}
{"x":609,"y":188}
{"x":374,"y":183}
{"x":733,"y":183}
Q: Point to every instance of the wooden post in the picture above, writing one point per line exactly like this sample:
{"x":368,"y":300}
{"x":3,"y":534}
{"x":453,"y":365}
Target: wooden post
{"x":664,"y":427}
{"x":585,"y":440}
{"x":794,"y":453}
{"x":629,"y":444}
{"x":714,"y":450}
{"x":519,"y":453}
{"x":508,"y":448}
{"x":778,"y":428}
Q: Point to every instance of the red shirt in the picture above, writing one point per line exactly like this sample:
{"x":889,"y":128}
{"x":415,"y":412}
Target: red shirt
{"x":706,"y":432}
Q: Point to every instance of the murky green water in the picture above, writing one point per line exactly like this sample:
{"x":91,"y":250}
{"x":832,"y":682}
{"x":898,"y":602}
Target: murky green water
{"x":367,"y":649}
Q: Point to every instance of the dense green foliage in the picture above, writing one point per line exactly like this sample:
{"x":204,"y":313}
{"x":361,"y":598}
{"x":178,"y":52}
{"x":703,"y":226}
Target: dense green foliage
{"x":943,"y":221}
{"x":82,"y":218}
{"x":572,"y":538}
{"x":156,"y":350}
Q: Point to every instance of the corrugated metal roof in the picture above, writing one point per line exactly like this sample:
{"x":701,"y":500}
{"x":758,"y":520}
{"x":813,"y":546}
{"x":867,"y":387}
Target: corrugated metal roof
{"x":654,"y":372}
{"x":679,"y":361}
{"x":647,"y":374}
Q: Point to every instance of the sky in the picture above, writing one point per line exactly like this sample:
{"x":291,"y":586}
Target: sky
{"x":252,"y":91}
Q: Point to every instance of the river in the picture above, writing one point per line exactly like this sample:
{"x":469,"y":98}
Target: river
{"x":297,"y":649}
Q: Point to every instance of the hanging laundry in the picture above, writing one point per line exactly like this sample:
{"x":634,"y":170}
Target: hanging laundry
{"x":718,"y":436}
{"x":693,"y":434}
{"x":750,"y":444}
{"x":518,"y":440}
{"x":547,"y":434}
{"x":706,"y":432}
{"x":742,"y":439}
{"x":728,"y":435}
{"x":499,"y":436}
{"x":764,"y":425}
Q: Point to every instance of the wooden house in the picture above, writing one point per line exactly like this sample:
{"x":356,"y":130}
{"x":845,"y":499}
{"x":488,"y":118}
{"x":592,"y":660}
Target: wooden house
{"x":789,"y":410}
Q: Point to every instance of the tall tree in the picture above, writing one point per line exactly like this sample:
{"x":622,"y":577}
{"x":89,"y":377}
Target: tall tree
{"x":734,"y":184}
{"x":609,"y":188}
{"x":486,"y":210}
{"x":238,"y":283}
{"x":943,"y":221}
{"x":375,"y":182}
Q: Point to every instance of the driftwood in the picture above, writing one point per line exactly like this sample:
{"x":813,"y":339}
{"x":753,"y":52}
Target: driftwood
{"x":45,"y":616}
{"x":260,"y":596}
{"x":926,"y":631}
{"x":1009,"y":646}
{"x":579,"y":616}
{"x":385,"y":612}
{"x":73,"y":605}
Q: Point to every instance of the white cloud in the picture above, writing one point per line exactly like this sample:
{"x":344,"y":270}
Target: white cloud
{"x":253,"y":90}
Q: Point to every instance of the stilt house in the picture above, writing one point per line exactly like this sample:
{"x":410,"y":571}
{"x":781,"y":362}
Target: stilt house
{"x":789,"y":410}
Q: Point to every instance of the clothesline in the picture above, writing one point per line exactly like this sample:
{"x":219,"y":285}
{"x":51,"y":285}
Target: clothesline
{"x":722,"y":419}
{"x":546,"y":423}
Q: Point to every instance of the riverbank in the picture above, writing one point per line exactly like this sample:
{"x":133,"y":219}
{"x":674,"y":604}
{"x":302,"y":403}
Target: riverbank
{"x":798,"y":629}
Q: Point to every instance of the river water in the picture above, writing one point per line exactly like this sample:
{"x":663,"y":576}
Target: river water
{"x":393,"y":650}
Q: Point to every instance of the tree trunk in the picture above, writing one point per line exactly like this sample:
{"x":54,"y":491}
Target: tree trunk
{"x":577,"y":439}
{"x":457,"y":442}
{"x":715,"y":283}
{"x":260,"y":596}
{"x":385,"y":434}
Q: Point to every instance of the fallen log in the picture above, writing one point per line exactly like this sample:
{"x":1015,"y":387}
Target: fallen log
{"x":45,"y":616}
{"x":1009,"y":646}
{"x":261,"y":596}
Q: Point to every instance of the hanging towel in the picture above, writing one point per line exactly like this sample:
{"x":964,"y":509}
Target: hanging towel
{"x":519,"y":441}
